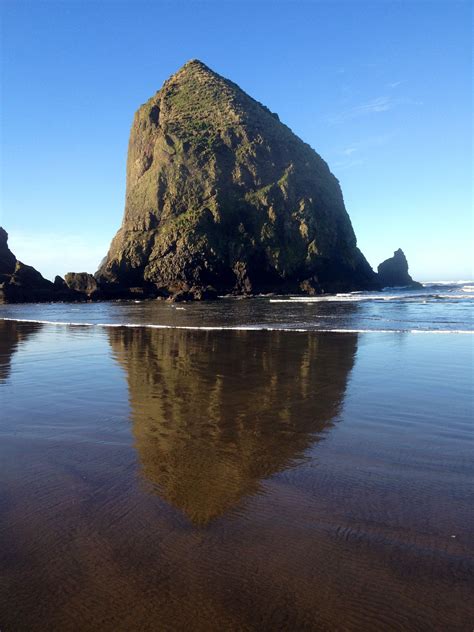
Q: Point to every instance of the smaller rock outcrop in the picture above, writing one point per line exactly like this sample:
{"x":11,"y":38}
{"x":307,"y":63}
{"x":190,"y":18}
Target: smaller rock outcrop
{"x":83,"y":283}
{"x":393,"y":272}
{"x":25,"y":285}
{"x":20,"y":283}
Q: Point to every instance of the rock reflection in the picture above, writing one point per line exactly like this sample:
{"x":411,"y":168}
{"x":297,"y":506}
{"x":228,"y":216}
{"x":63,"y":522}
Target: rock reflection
{"x":12,"y":334}
{"x":214,"y":413}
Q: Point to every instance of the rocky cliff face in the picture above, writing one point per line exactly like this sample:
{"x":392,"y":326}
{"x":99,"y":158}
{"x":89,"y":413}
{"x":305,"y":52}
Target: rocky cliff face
{"x":222,"y":197}
{"x":393,"y":272}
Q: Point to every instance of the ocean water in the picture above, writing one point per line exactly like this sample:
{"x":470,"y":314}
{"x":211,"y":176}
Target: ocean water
{"x":261,"y":464}
{"x":438,"y":306}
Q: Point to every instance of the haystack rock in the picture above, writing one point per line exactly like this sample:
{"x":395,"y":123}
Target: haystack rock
{"x":393,"y":272}
{"x":223,"y":198}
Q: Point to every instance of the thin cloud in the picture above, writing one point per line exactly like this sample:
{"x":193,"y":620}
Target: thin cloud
{"x":375,"y":106}
{"x":380,"y":104}
{"x":372,"y":141}
{"x":394,"y":84}
{"x":342,"y":165}
{"x":360,"y":148}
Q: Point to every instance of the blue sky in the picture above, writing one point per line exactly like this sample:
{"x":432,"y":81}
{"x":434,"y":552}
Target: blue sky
{"x":382,"y":90}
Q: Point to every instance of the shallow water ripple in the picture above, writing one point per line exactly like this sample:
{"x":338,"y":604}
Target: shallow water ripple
{"x":234,"y":480}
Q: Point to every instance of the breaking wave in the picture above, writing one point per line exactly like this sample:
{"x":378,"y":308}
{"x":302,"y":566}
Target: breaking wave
{"x":339,"y":330}
{"x":458,"y":291}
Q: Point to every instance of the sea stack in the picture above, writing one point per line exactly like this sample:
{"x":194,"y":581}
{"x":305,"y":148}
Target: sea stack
{"x":223,"y":198}
{"x":393,"y":272}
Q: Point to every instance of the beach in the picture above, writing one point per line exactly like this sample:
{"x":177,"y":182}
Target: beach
{"x":180,"y":479}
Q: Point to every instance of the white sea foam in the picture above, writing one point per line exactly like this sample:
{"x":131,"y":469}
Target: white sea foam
{"x":460,"y":282}
{"x":380,"y":296}
{"x":334,"y":298}
{"x":342,"y":298}
{"x":339,"y":330}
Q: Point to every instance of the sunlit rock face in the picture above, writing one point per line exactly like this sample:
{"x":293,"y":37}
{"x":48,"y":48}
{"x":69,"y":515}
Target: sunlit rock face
{"x":216,"y":413}
{"x":223,"y":197}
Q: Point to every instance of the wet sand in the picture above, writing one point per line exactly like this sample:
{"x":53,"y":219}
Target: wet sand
{"x":190,"y":480}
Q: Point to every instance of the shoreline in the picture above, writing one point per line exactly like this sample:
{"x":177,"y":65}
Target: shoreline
{"x":239,"y":328}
